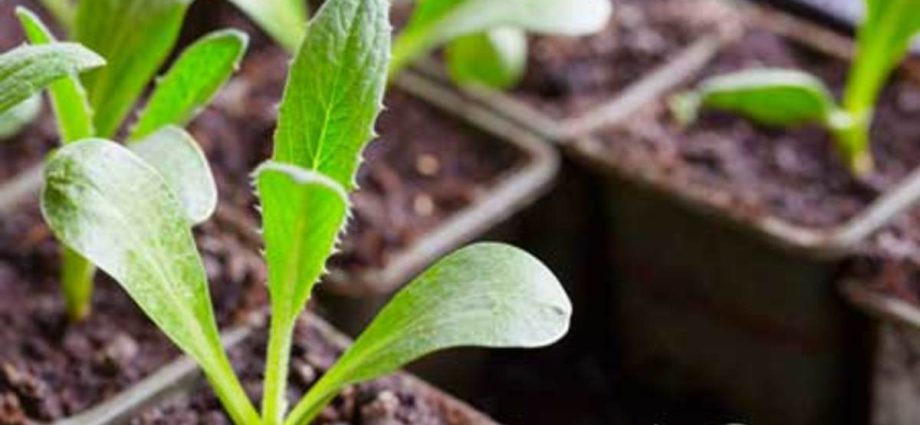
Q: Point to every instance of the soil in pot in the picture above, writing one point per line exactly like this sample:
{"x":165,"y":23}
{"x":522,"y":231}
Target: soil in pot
{"x":392,"y":400}
{"x":570,"y":76}
{"x":51,"y":368}
{"x":425,"y":166}
{"x":753,"y":172}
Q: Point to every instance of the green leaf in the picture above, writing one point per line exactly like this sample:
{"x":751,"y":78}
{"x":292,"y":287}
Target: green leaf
{"x":62,"y":10}
{"x":485,"y":295}
{"x":26,"y":70}
{"x":18,"y":117}
{"x":178,"y":158}
{"x":335,"y":89}
{"x":772,"y":97}
{"x":283,"y":20}
{"x":135,"y":37}
{"x":113,"y":208}
{"x":192,"y":81}
{"x":436,"y":22}
{"x":495,"y":58}
{"x":303,"y":213}
{"x":68,"y":98}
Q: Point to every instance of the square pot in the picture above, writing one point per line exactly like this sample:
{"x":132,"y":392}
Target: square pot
{"x":715,"y":301}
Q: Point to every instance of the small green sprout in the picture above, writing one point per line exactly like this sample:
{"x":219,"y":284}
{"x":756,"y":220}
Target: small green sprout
{"x":135,"y":37}
{"x":486,"y":39}
{"x":110,"y":205}
{"x":26,"y":70}
{"x":778,"y":97}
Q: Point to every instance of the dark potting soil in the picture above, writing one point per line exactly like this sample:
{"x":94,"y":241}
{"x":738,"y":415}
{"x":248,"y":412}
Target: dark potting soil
{"x":51,"y":368}
{"x":569,"y":76}
{"x":425,"y":167}
{"x":754,"y":172}
{"x":392,"y":400}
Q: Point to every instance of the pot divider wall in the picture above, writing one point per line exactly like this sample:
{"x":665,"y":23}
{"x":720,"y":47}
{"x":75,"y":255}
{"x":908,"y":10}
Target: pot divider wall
{"x":738,"y":311}
{"x":895,"y":373}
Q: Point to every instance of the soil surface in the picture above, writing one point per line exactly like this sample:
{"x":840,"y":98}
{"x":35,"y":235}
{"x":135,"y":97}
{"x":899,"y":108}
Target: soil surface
{"x":754,"y":172}
{"x":391,"y":400}
{"x":568,"y":76}
{"x":425,"y":167}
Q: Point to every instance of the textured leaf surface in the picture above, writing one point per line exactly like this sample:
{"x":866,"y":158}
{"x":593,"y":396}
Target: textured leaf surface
{"x":68,"y":98}
{"x":18,"y":117}
{"x":485,"y":295}
{"x":284,"y":20}
{"x":436,"y":22}
{"x":192,"y":81}
{"x":179,"y":160}
{"x":113,"y":208}
{"x":135,"y":37}
{"x":110,"y":206}
{"x":26,"y":70}
{"x":768,"y":96}
{"x":335,"y":89}
{"x":495,"y":59}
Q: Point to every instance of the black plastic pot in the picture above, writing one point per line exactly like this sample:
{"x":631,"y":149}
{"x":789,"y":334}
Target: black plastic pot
{"x":741,"y":312}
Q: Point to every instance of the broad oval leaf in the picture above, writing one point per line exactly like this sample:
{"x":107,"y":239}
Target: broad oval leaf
{"x":496,"y":58}
{"x":182,"y":164}
{"x":18,"y":117}
{"x":135,"y":37}
{"x":110,"y":206}
{"x":436,"y":22}
{"x":773,"y":97}
{"x":68,"y":98}
{"x":484,"y":295}
{"x":335,"y":88}
{"x":284,"y":20}
{"x":192,"y":81}
{"x":26,"y":70}
{"x":113,"y":208}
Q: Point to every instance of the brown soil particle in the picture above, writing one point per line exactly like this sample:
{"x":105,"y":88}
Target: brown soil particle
{"x":569,"y":76}
{"x":753,"y":172}
{"x":391,"y":400}
{"x":425,"y":167}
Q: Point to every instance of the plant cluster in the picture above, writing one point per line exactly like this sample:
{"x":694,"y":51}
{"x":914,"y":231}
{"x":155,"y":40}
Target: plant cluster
{"x":97,"y":103}
{"x":785,"y":97}
{"x":114,"y":206}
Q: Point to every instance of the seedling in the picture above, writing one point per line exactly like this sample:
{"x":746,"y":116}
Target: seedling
{"x":26,"y":70}
{"x":108,"y":204}
{"x":486,"y":39}
{"x":135,"y":37}
{"x":783,"y":98}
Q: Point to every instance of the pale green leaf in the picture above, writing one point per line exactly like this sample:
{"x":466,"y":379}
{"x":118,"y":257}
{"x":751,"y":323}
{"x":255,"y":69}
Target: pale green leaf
{"x":26,"y":70}
{"x":135,"y":37}
{"x":178,"y":158}
{"x":772,"y":97}
{"x":18,"y":117}
{"x":335,"y":89}
{"x":485,"y":295}
{"x":110,"y":206}
{"x":192,"y":81}
{"x":68,"y":98}
{"x":283,"y":20}
{"x":303,"y":213}
{"x":436,"y":22}
{"x":495,"y":58}
{"x":62,"y":10}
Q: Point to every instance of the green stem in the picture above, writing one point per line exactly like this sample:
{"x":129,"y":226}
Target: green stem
{"x":77,"y":284}
{"x":274,"y":400}
{"x":230,"y":392}
{"x":311,"y":405}
{"x":406,"y":49}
